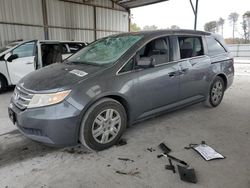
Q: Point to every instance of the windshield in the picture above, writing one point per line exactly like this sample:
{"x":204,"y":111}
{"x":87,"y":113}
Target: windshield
{"x":105,"y":51}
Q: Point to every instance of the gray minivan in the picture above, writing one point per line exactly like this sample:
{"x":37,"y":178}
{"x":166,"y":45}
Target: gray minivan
{"x":94,"y":95}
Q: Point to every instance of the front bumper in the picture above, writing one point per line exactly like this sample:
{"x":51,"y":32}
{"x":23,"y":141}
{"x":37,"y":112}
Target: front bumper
{"x":54,"y":125}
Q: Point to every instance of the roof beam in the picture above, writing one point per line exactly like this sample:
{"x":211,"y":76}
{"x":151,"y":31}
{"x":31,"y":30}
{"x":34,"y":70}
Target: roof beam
{"x":128,"y":4}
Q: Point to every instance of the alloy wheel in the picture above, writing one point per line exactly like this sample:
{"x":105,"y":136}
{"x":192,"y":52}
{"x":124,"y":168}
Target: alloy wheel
{"x":106,"y":126}
{"x":217,"y":92}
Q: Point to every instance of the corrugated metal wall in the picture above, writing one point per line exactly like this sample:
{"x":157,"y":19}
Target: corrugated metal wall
{"x":60,"y":19}
{"x":110,"y":21}
{"x":27,"y":12}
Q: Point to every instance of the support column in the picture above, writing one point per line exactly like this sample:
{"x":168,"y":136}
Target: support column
{"x":95,"y":28}
{"x":129,"y":20}
{"x":45,"y":20}
{"x":195,"y":11}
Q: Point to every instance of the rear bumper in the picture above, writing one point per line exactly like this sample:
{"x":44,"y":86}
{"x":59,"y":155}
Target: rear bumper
{"x":54,"y":125}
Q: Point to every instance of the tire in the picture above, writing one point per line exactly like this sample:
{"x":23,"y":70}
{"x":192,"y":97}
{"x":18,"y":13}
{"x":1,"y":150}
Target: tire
{"x":3,"y":84}
{"x":216,"y":93}
{"x":103,"y":124}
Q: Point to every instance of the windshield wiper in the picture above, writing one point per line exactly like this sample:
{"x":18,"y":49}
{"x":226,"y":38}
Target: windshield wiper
{"x":83,"y":63}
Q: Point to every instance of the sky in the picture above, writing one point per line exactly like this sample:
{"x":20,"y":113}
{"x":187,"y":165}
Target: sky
{"x":179,"y":12}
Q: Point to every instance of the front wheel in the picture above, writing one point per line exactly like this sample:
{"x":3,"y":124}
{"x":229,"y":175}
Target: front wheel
{"x":103,"y":124}
{"x":216,"y":92}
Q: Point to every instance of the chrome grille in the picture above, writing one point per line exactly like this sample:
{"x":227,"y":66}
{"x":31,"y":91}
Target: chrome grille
{"x":21,"y":97}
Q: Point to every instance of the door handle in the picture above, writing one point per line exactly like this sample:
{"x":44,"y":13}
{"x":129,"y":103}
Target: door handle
{"x":28,"y":63}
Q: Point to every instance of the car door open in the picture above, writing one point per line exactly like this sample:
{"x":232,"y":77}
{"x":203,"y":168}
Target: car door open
{"x":23,"y":61}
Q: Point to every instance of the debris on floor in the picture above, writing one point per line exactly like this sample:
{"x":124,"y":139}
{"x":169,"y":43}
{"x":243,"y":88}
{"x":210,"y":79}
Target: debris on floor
{"x":150,"y":149}
{"x":77,"y":150}
{"x":186,"y":173}
{"x":126,"y":159}
{"x":130,"y":173}
{"x":164,"y":148}
{"x":170,"y":166}
{"x":205,"y":151}
{"x":121,"y":142}
{"x":25,"y":148}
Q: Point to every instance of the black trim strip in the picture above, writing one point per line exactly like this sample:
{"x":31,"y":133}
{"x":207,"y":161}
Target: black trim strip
{"x":221,"y":61}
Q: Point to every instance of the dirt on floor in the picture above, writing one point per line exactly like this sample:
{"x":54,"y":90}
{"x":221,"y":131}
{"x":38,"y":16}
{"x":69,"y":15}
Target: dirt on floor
{"x":25,"y":163}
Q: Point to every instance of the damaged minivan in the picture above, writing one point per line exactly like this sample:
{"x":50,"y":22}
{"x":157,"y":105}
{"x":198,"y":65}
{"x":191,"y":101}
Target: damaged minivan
{"x":20,"y":58}
{"x":114,"y":82}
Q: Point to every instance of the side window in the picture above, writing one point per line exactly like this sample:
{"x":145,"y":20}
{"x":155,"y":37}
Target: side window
{"x":214,"y":47}
{"x":190,"y":46}
{"x":25,"y":50}
{"x":128,"y":67}
{"x":75,"y":47}
{"x":157,"y":49}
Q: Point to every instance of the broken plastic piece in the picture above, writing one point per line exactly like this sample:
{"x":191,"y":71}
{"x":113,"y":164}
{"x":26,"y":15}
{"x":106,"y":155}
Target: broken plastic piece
{"x":126,"y":159}
{"x":164,"y":148}
{"x":170,"y":166}
{"x":187,"y":174}
{"x":205,"y":151}
{"x":121,"y":142}
{"x":173,"y":158}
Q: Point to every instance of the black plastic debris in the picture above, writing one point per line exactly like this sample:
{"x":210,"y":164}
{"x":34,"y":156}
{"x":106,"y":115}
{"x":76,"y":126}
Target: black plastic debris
{"x":126,"y":159}
{"x":131,"y":173}
{"x":164,"y":148}
{"x":25,"y":148}
{"x":187,"y":174}
{"x":121,"y":142}
{"x":150,"y":149}
{"x":170,"y":166}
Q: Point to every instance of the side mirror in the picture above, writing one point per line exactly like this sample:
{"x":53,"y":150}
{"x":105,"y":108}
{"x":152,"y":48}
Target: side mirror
{"x":145,"y":62}
{"x":10,"y":57}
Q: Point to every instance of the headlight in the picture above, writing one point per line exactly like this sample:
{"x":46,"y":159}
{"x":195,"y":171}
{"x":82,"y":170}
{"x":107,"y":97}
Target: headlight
{"x":39,"y":100}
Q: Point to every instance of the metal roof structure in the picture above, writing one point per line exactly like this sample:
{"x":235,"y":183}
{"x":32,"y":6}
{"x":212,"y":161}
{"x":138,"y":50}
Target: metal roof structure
{"x":128,"y":4}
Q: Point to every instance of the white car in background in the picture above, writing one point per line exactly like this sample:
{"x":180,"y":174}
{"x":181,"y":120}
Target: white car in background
{"x":18,"y":59}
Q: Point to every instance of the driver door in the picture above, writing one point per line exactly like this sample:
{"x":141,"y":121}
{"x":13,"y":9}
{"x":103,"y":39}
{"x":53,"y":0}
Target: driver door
{"x":156,"y":87}
{"x":24,"y":64}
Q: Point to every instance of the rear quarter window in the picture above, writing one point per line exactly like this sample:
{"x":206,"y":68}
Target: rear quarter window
{"x":214,"y":47}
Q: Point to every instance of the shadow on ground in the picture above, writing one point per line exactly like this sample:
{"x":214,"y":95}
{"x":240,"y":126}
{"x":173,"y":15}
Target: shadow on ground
{"x":15,"y":148}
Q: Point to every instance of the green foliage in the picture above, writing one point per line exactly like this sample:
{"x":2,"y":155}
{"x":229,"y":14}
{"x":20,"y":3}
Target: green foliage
{"x":174,"y":27}
{"x":150,"y":27}
{"x":134,"y":27}
{"x":210,"y":26}
{"x":233,"y":17}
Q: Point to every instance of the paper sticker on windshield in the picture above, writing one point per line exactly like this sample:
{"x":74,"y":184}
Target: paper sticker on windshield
{"x":78,"y":73}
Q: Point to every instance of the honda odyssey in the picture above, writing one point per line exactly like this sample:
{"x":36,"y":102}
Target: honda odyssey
{"x":95,"y":94}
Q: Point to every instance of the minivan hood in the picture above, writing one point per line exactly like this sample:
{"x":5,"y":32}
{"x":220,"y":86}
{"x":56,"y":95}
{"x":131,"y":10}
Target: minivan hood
{"x":57,"y":77}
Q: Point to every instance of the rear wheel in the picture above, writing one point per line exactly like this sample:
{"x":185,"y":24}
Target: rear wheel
{"x":3,"y":84}
{"x":216,"y":92}
{"x":103,"y":124}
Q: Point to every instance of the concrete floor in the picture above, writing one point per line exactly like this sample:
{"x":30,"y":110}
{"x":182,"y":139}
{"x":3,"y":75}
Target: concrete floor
{"x":24,"y":163}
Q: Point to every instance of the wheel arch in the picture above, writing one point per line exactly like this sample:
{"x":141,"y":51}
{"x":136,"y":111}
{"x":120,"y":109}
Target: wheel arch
{"x":224,"y":77}
{"x":117,"y":97}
